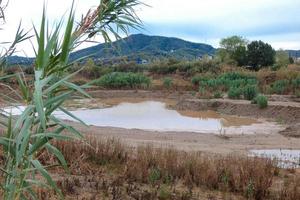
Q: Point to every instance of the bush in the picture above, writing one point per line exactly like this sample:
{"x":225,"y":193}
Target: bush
{"x":218,"y":95}
{"x":168,"y":82}
{"x":296,"y":83}
{"x":29,"y":70}
{"x":225,"y":81}
{"x":164,"y":67}
{"x":250,"y":92}
{"x":129,"y":67}
{"x":280,"y":86}
{"x":123,"y":80}
{"x":262,"y":101}
{"x":91,"y":72}
{"x":234,"y":93}
{"x":196,"y":80}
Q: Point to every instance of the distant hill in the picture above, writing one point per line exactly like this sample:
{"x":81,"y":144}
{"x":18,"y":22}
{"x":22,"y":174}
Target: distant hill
{"x":137,"y":47}
{"x":147,"y":47}
{"x":17,"y":60}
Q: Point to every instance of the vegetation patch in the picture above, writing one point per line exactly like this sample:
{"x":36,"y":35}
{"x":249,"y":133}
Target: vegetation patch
{"x":161,"y":169}
{"x":250,"y":92}
{"x":124,"y":80}
{"x":261,"y":101}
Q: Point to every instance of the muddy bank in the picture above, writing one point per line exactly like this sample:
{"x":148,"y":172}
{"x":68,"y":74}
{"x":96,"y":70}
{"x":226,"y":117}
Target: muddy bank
{"x":210,"y":143}
{"x":287,"y":113}
{"x":161,"y":94}
{"x":281,"y":112}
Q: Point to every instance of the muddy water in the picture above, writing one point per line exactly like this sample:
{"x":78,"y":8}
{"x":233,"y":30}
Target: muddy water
{"x":155,"y":115}
{"x":149,"y":115}
{"x":285,"y":158}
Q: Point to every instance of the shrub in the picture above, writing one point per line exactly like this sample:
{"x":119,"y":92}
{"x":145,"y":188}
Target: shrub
{"x":296,"y":83}
{"x":262,"y":101}
{"x":225,"y":81}
{"x":236,"y":75}
{"x":29,"y":70}
{"x":280,"y":86}
{"x":163,"y":67}
{"x":91,"y":71}
{"x":218,"y":95}
{"x":234,"y":93}
{"x":250,"y":92}
{"x":203,"y":66}
{"x":196,"y":80}
{"x":129,"y":67}
{"x":164,"y":193}
{"x":123,"y":80}
{"x":168,"y":82}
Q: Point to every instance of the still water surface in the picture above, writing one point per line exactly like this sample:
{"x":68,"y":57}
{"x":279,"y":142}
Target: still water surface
{"x":155,"y":116}
{"x":285,"y":158}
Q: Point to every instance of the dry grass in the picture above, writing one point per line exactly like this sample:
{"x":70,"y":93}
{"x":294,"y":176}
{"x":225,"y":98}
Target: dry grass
{"x":108,"y":167}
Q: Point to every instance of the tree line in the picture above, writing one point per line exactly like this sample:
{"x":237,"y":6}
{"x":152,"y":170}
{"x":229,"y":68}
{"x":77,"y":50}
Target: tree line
{"x":255,"y":54}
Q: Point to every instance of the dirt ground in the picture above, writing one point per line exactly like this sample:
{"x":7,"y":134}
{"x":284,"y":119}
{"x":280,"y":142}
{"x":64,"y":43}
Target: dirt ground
{"x":286,"y":113}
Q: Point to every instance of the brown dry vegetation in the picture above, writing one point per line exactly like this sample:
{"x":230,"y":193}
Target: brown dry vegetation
{"x":108,"y":169}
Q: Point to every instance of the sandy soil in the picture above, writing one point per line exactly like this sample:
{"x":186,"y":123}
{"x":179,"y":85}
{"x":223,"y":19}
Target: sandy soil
{"x":195,"y":141}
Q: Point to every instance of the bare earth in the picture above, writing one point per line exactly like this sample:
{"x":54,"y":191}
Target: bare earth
{"x":196,"y":141}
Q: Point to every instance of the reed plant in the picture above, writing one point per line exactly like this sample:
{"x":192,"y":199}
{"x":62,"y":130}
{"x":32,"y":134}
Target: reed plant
{"x":31,"y":132}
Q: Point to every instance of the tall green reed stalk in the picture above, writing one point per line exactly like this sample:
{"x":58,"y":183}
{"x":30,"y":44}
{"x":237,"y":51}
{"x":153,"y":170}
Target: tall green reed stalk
{"x":31,"y":132}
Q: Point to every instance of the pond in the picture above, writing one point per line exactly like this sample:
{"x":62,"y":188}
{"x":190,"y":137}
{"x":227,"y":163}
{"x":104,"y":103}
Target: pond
{"x":156,"y":116}
{"x":285,"y":158}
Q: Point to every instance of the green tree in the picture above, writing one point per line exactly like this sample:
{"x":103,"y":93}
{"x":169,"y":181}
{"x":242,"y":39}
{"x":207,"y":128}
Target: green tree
{"x":260,"y":55}
{"x":240,"y":56}
{"x":233,"y":48}
{"x":282,"y":58}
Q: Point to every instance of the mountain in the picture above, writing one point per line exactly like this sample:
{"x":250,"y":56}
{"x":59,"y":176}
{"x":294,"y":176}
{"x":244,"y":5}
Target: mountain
{"x":147,"y":47}
{"x":17,"y":60}
{"x":137,"y":47}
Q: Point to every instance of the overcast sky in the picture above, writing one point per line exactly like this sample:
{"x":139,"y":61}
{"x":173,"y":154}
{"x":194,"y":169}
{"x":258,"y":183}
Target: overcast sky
{"x":274,"y":21}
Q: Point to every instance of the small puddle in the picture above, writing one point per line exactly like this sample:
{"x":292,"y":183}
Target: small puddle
{"x":285,"y":158}
{"x":155,"y":116}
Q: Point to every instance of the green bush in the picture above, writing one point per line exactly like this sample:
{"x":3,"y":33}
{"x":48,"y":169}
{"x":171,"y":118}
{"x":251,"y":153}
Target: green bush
{"x":236,"y":76}
{"x":129,"y":67}
{"x":225,"y":81}
{"x":196,"y":80}
{"x":262,"y":101}
{"x":250,"y":92}
{"x":234,"y":93}
{"x":123,"y":80}
{"x":218,"y":95}
{"x":168,"y":82}
{"x":280,"y":86}
{"x":296,"y":83}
